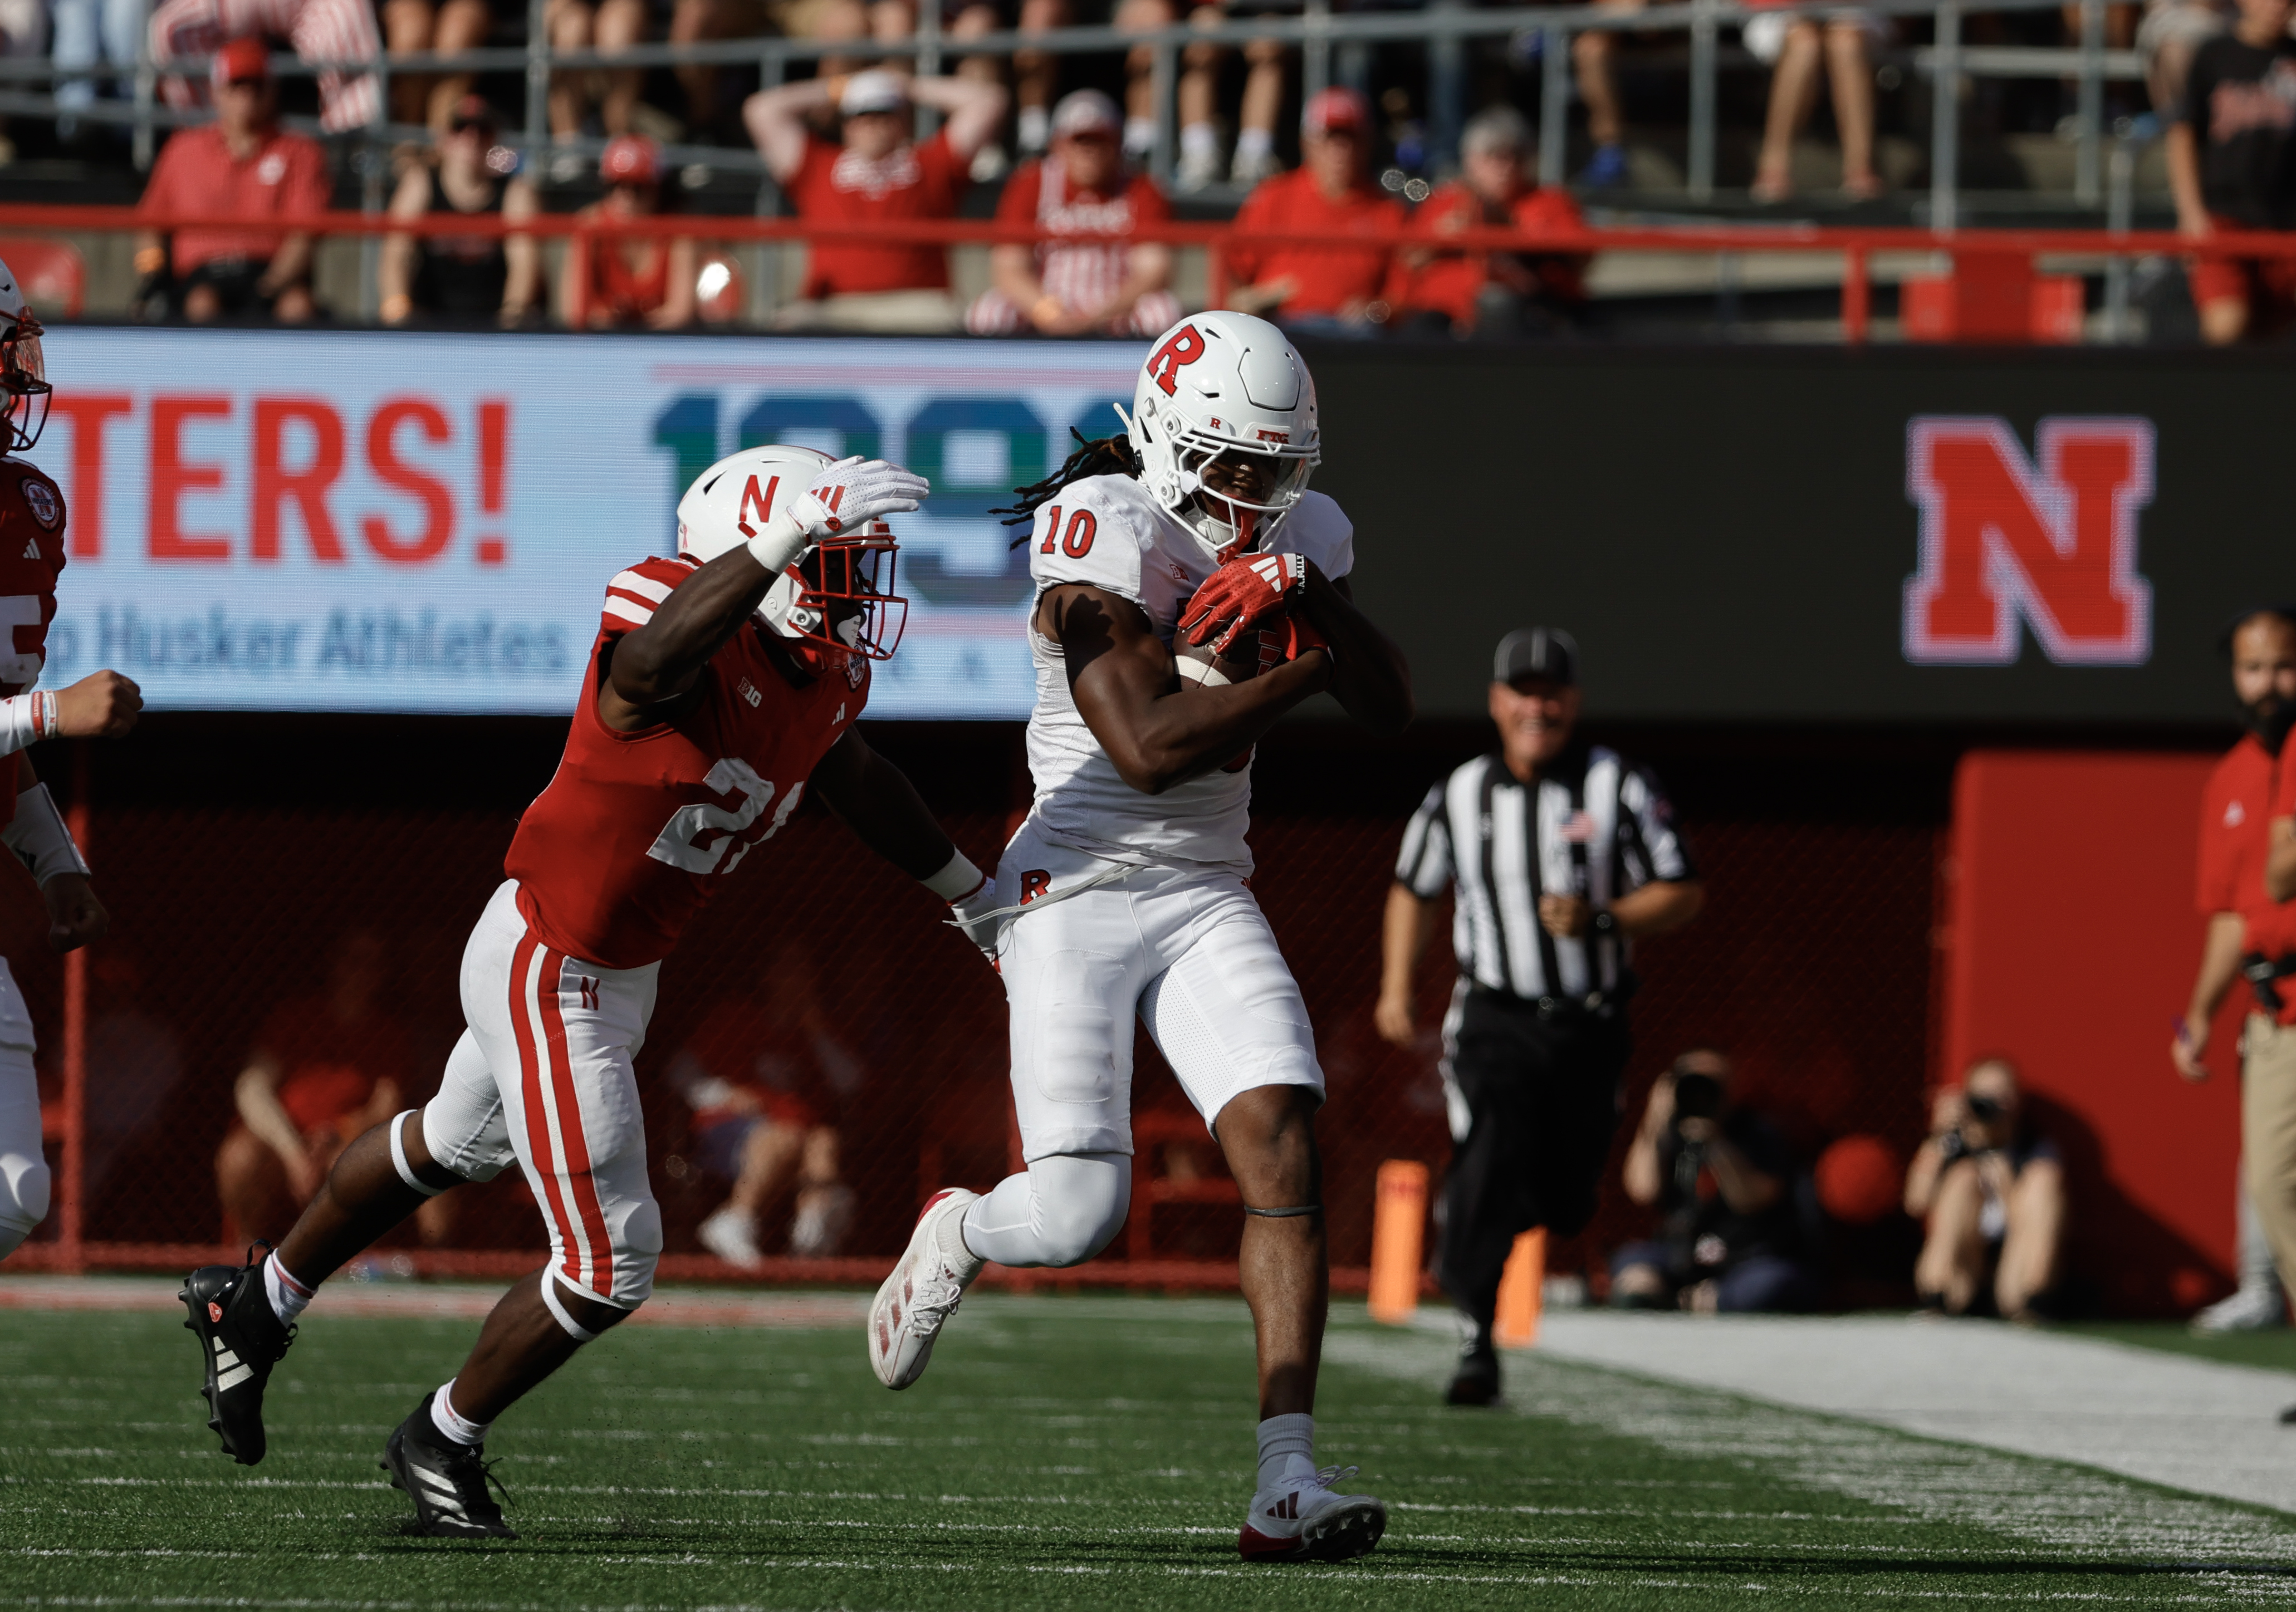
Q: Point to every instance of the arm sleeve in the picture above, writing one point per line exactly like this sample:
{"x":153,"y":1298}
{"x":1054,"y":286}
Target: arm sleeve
{"x":1319,"y":529}
{"x":1018,"y":204}
{"x":1651,"y":846}
{"x":2212,"y":891}
{"x":1423,"y":866}
{"x":634,"y":595}
{"x":2200,"y":82}
{"x":1095,"y":543}
{"x":309,"y":191}
{"x":1242,"y":256}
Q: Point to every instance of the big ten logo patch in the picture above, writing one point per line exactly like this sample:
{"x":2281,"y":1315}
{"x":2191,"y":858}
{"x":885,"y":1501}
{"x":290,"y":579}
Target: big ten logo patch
{"x":2049,"y":540}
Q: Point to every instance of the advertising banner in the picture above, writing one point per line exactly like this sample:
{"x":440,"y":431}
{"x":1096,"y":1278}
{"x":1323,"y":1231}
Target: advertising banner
{"x":1979,"y":534}
{"x":348,"y":521}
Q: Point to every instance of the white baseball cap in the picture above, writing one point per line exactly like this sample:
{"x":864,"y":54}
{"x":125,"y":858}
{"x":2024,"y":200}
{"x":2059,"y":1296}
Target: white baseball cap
{"x":873,"y":90}
{"x":1086,"y":111}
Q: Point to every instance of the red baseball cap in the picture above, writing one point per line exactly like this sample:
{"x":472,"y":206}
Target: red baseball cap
{"x":1336,"y":109}
{"x":630,"y":160}
{"x":246,"y":60}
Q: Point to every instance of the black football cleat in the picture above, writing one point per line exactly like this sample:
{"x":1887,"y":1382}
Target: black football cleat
{"x":1477,"y":1381}
{"x":447,"y":1481}
{"x":240,"y":1339}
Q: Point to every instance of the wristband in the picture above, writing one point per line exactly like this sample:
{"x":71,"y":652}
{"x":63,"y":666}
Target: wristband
{"x":957,"y":879}
{"x":25,"y":718}
{"x":781,"y":541}
{"x":40,"y":838}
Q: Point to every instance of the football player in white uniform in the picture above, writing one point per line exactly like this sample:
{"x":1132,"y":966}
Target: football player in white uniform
{"x":1126,"y":888}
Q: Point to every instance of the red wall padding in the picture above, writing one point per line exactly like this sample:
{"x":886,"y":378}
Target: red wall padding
{"x":2074,"y":941}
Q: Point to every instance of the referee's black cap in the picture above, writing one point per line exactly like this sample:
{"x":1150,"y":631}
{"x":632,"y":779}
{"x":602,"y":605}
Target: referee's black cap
{"x":1547,"y":654}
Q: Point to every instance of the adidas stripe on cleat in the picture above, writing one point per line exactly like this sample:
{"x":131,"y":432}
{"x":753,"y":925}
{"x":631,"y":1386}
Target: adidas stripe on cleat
{"x":1301,"y":1519}
{"x":447,"y":1481}
{"x":240,"y":1339}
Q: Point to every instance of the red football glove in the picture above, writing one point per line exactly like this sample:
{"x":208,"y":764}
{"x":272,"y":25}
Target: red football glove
{"x":1288,"y":639}
{"x":1239,"y":596}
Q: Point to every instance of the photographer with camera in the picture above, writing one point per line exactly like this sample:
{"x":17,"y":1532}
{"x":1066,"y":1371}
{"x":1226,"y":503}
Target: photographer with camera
{"x":1723,"y":1180}
{"x":1992,"y":1188}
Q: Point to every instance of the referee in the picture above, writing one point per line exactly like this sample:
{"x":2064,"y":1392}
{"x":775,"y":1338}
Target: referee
{"x":1562,"y":854}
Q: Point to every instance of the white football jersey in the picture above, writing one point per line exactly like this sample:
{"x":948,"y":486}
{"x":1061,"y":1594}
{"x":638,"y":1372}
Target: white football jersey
{"x":1107,"y":532}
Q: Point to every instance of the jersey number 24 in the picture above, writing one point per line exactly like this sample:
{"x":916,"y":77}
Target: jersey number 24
{"x":677,"y":843}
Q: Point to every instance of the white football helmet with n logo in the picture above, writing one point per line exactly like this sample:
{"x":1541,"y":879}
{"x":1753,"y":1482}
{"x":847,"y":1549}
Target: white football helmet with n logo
{"x":1221,"y":382}
{"x":838,"y":593}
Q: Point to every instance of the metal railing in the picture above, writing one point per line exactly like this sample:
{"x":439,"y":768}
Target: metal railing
{"x":2112,"y":249}
{"x":1445,"y":26}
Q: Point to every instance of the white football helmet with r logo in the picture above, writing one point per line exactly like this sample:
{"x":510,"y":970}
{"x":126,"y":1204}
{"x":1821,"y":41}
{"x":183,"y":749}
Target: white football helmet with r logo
{"x":1222,"y":382}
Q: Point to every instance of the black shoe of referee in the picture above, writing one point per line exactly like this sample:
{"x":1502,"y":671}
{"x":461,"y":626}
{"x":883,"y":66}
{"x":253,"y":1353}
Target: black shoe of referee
{"x":447,"y":1481}
{"x":240,"y":1339}
{"x":1477,"y":1381}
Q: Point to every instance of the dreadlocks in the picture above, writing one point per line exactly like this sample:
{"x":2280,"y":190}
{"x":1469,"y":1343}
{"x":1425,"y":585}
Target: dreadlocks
{"x":1095,"y":456}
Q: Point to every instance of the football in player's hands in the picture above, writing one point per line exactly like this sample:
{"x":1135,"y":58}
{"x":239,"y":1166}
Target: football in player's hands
{"x":1204,"y":666}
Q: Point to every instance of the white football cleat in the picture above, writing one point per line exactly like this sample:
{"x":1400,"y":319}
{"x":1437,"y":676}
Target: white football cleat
{"x":922,"y":1292}
{"x":1301,"y":1519}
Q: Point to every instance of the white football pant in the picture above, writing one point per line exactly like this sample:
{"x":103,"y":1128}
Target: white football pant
{"x":543,"y":1074}
{"x":1184,"y":949}
{"x":23,"y":1169}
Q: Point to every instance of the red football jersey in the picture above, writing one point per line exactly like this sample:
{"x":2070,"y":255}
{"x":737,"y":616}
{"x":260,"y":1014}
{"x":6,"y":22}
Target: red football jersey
{"x":628,"y":843}
{"x":31,"y":557}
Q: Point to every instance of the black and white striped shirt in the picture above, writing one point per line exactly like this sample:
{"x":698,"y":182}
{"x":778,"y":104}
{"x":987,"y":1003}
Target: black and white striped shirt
{"x":1593,"y":825}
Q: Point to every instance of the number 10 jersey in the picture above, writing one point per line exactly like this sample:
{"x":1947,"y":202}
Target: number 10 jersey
{"x":636,"y":831}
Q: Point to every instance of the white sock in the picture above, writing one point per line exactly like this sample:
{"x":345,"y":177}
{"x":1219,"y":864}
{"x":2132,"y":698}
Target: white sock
{"x":451,"y":1423}
{"x":1253,"y":143}
{"x":1139,"y":135}
{"x":1035,"y":126}
{"x":1287,"y":1447}
{"x":1200,"y":140}
{"x":955,"y":1250}
{"x":288,"y":1297}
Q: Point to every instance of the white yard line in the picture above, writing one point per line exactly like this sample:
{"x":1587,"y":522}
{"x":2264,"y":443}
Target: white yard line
{"x":443,"y":1301}
{"x":2167,"y":1419}
{"x":2076,"y":1514}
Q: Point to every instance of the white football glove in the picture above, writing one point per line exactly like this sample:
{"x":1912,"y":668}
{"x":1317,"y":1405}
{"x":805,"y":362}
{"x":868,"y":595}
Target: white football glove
{"x":844,"y":497}
{"x":975,"y":915}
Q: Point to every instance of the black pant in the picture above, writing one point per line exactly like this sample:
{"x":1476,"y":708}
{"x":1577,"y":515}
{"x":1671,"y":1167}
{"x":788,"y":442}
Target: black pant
{"x":1542,"y":1094}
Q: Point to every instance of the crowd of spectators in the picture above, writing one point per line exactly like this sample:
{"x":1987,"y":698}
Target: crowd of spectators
{"x":844,"y":147}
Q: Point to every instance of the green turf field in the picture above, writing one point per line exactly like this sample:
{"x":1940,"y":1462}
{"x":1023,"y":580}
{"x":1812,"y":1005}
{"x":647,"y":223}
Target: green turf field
{"x":1062,"y":1453}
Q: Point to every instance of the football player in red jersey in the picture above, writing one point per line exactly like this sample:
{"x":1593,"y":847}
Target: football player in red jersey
{"x":101,"y":704}
{"x":724,"y":683}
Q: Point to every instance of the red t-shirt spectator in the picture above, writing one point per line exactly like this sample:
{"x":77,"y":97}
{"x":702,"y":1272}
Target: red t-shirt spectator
{"x":834,"y":185}
{"x":1327,"y":277}
{"x":283,"y":177}
{"x":329,"y":1068}
{"x":1081,"y":276}
{"x":1449,"y":281}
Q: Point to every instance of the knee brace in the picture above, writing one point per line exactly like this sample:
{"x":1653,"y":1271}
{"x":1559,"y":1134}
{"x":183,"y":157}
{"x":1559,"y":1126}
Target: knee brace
{"x":23,"y":1200}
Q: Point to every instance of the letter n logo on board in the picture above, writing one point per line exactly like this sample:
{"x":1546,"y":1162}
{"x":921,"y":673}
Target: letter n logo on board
{"x":2004,"y":540}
